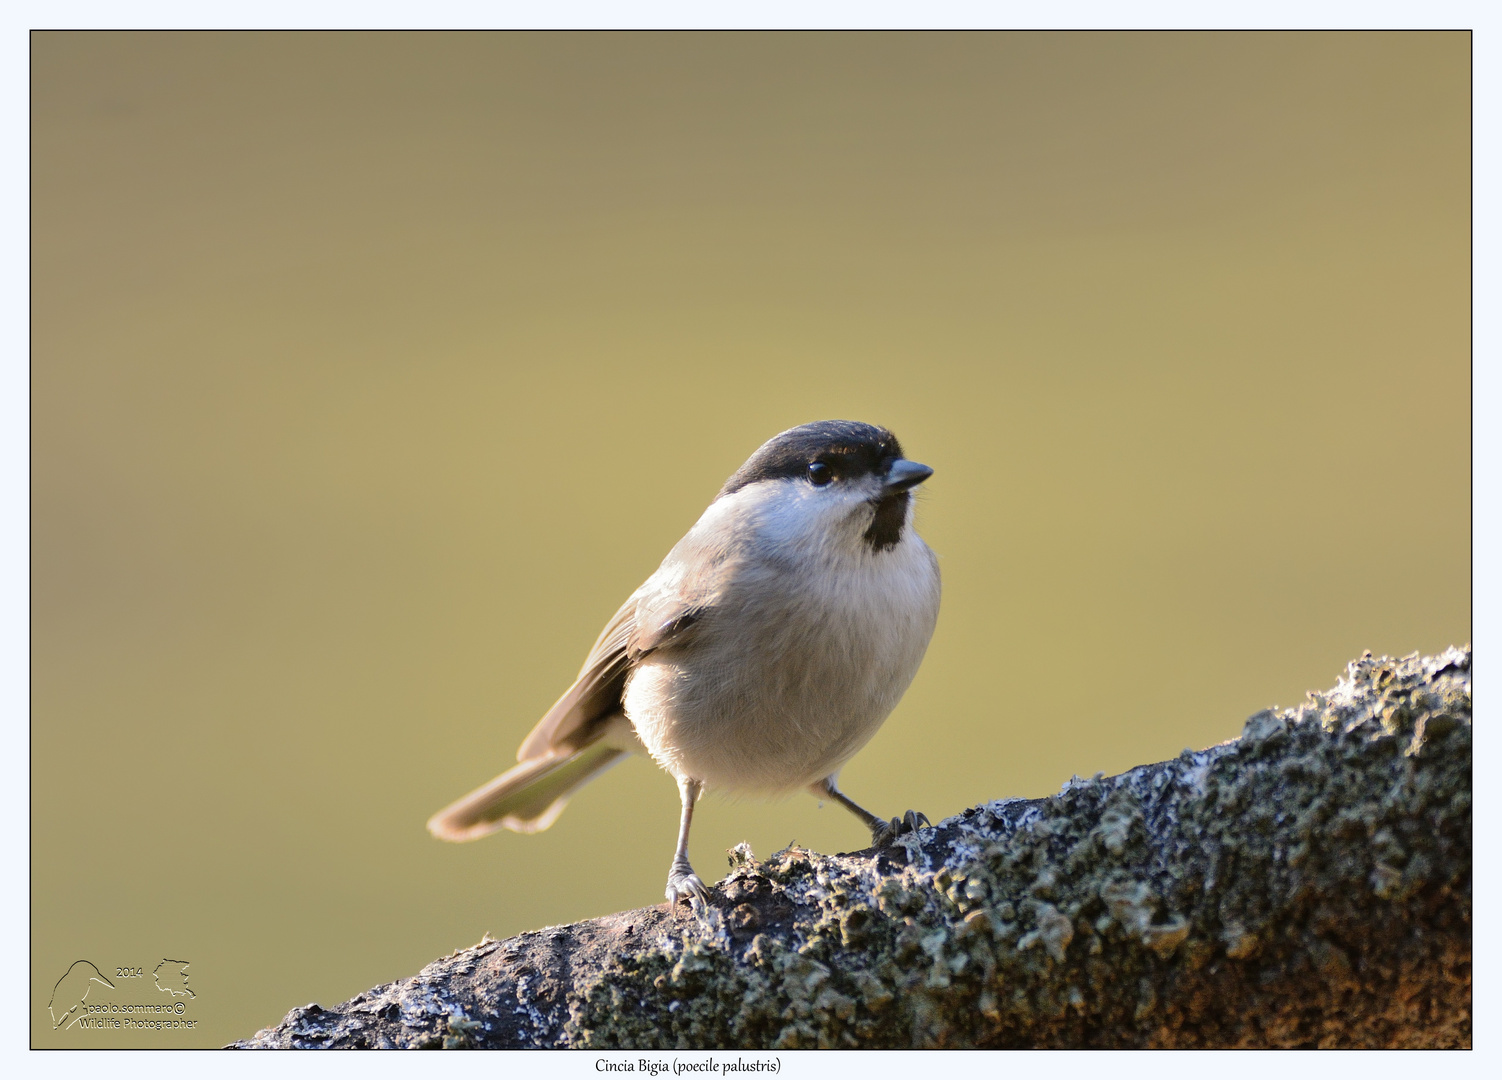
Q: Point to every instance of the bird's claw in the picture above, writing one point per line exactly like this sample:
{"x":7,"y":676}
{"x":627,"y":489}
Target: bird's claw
{"x":910,"y":822}
{"x":684,"y":884}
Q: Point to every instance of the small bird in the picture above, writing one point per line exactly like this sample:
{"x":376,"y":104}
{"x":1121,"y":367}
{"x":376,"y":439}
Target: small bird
{"x":765,"y":651}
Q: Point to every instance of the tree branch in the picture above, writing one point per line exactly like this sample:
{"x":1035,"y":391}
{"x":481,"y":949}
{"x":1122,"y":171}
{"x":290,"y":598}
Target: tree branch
{"x":1308,"y":884}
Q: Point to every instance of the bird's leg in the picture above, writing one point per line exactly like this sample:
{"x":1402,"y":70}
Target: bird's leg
{"x":683,"y":883}
{"x":882,"y":832}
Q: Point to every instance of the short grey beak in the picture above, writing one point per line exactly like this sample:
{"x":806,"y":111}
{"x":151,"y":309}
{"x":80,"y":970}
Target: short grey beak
{"x":906,"y":474}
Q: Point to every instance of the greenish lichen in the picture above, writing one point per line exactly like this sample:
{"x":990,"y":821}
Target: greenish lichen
{"x":1308,"y":884}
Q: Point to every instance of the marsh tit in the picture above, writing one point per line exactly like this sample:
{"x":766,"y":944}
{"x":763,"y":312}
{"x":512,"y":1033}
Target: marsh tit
{"x":765,"y":651}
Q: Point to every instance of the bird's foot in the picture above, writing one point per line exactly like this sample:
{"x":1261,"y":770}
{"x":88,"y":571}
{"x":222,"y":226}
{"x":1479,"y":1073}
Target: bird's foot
{"x":684,"y":884}
{"x":883,"y":835}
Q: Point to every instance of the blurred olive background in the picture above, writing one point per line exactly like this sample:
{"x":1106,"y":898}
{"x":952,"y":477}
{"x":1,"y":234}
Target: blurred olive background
{"x":372,"y":372}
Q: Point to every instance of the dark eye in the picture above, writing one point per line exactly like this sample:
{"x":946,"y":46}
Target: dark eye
{"x":820,"y":474}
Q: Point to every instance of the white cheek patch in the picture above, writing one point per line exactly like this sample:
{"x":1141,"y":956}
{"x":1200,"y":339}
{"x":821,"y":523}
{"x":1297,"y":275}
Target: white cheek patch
{"x":796,"y":514}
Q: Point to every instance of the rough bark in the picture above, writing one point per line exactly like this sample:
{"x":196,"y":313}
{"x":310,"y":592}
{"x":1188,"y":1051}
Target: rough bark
{"x":1308,"y":884}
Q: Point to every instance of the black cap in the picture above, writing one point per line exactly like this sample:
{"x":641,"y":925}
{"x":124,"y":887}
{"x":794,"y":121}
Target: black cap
{"x":849,"y":448}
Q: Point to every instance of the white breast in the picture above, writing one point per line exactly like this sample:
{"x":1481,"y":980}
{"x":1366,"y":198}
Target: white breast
{"x":809,"y":641}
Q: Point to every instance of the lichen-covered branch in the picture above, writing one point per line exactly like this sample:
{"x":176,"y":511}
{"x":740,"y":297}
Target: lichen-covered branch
{"x":1308,"y":884}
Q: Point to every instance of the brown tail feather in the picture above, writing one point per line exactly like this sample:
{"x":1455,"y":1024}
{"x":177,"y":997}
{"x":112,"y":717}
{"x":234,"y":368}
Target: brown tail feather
{"x":525,"y":799}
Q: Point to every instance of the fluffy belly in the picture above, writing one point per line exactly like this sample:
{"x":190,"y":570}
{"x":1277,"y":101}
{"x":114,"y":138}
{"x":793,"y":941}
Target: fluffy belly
{"x":750,"y":748}
{"x":773,"y":716}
